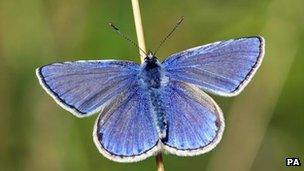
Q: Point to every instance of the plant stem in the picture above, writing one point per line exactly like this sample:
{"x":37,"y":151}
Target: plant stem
{"x":139,"y":29}
{"x":160,"y":162}
{"x":141,"y":44}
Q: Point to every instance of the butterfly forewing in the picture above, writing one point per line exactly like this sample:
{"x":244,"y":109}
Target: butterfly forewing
{"x":223,"y":68}
{"x":84,"y":87}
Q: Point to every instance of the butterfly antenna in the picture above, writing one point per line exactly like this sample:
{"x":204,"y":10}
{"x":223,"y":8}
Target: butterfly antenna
{"x":126,"y":37}
{"x":169,"y":34}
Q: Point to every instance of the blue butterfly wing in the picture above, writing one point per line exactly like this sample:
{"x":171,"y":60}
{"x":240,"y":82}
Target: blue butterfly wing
{"x":125,"y":130}
{"x":223,"y":68}
{"x":195,"y":123}
{"x":84,"y":87}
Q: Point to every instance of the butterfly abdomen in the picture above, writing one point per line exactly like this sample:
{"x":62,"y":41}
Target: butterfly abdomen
{"x":159,"y":111}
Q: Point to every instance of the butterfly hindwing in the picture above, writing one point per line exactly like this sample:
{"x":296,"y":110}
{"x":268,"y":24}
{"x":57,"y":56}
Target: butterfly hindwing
{"x":126,"y":131}
{"x":223,"y":68}
{"x":194,"y":121}
{"x":84,"y":87}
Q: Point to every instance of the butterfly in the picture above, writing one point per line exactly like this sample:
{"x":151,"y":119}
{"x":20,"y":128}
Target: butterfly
{"x":155,"y":106}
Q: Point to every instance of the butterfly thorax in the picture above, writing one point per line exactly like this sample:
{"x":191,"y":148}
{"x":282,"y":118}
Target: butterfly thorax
{"x":152,"y":72}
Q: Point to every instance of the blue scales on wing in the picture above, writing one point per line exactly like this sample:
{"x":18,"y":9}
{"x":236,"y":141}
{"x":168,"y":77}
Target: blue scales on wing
{"x":223,"y":68}
{"x":194,"y":121}
{"x":85,"y":87}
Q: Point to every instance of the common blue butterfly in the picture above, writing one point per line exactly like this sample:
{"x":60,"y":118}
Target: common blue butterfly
{"x":156,"y":106}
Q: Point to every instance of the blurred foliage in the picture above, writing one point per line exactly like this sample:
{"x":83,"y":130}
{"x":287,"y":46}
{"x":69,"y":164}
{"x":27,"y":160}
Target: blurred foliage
{"x":36,"y":134}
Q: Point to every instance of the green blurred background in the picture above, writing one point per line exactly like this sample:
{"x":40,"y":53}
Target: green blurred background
{"x":264,"y":124}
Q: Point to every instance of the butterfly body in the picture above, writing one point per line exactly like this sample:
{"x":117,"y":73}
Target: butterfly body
{"x":156,"y":106}
{"x":153,"y":79}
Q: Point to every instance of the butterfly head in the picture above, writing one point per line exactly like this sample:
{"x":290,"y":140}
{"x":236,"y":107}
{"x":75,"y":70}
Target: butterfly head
{"x":150,"y":58}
